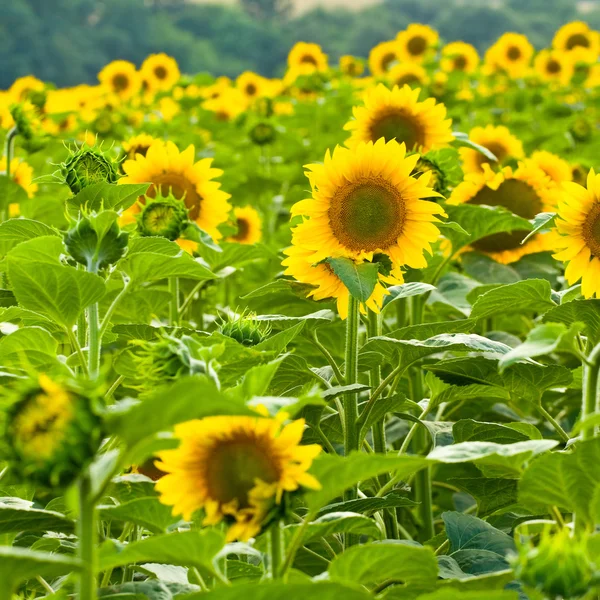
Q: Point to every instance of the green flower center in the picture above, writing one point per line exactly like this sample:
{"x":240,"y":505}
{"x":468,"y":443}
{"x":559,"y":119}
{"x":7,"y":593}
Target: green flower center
{"x":591,"y":230}
{"x":518,"y":197}
{"x":367,"y":215}
{"x":578,"y":40}
{"x":235,"y":465}
{"x":398,"y":126}
{"x":417,"y":45}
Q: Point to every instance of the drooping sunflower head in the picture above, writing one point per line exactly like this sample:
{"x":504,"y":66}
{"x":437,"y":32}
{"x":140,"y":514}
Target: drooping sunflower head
{"x":24,"y":87}
{"x":554,"y":166}
{"x":365,"y":202}
{"x":121,"y":78}
{"x":581,"y":42}
{"x":263,"y":133}
{"x":397,"y":114}
{"x":417,"y":42}
{"x":578,"y":223}
{"x":554,"y":66}
{"x":52,"y":431}
{"x":160,"y":71}
{"x":525,"y":192}
{"x":351,"y":66}
{"x":512,"y":54}
{"x":411,"y":74}
{"x":249,"y":226}
{"x":252,"y":85}
{"x":383,"y":57}
{"x":459,"y":57}
{"x":236,"y":469}
{"x":498,"y":140}
{"x":307,"y":56}
{"x":170,"y":171}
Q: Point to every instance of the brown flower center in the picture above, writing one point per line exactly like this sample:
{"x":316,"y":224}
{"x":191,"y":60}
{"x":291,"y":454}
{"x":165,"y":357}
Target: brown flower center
{"x":407,"y":79}
{"x":243,"y":230}
{"x":577,"y":40}
{"x":233,"y":466}
{"x":387,"y":60}
{"x":498,"y":150}
{"x":251,"y":89}
{"x":591,"y":230}
{"x":417,"y":45}
{"x":518,"y":197}
{"x":309,"y":59}
{"x":180,"y":187}
{"x":160,"y":72}
{"x":120,"y":82}
{"x":399,"y":126}
{"x":460,"y":63}
{"x":367,"y":215}
{"x":553,"y":66}
{"x":514,"y":53}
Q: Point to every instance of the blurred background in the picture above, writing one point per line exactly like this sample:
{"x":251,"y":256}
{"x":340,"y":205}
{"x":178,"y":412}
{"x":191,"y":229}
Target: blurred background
{"x":68,"y":41}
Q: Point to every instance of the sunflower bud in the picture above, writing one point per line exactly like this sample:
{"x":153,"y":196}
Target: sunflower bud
{"x":97,"y":240}
{"x":262,"y":134}
{"x":164,"y":217}
{"x":245,"y":329}
{"x":52,"y":432}
{"x":581,"y":129}
{"x":88,"y":166}
{"x":559,"y":565}
{"x":437,"y":179}
{"x":25,"y":119}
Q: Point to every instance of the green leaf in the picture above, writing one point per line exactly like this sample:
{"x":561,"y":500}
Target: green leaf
{"x":15,"y":231}
{"x":152,"y":259}
{"x":148,"y":513}
{"x":467,"y":430}
{"x":106,"y":196}
{"x":360,"y":279}
{"x":316,"y":318}
{"x":531,"y":295}
{"x":461,"y":140}
{"x":406,"y":290}
{"x":366,"y":506}
{"x":146,"y":590}
{"x":336,"y":474}
{"x":18,"y":515}
{"x":492,"y":494}
{"x":578,"y":311}
{"x":186,"y":548}
{"x":372,"y":564}
{"x":543,"y":340}
{"x":542,"y":223}
{"x":28,"y":347}
{"x":18,"y":565}
{"x":197,"y":397}
{"x":10,"y":192}
{"x":451,"y":594}
{"x":567,"y":481}
{"x":487,"y":270}
{"x":323,"y":590}
{"x":338,"y":522}
{"x":42,"y":284}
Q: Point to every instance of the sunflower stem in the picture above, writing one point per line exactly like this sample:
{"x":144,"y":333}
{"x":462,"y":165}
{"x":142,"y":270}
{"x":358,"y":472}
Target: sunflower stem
{"x":93,"y":324}
{"x":174,"y":302}
{"x":351,"y":442}
{"x":87,"y":534}
{"x":276,"y":549}
{"x":590,"y":390}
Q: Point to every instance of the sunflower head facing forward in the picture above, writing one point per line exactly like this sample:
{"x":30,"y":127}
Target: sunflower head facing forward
{"x":307,"y":56}
{"x":383,"y":57}
{"x":411,"y":74}
{"x":236,"y":469}
{"x":554,"y":66}
{"x":512,"y":54}
{"x":459,"y":57}
{"x":249,"y":226}
{"x":417,"y":42}
{"x":397,"y":114}
{"x":579,"y":41}
{"x":498,"y":140}
{"x":121,"y":78}
{"x":578,"y":224}
{"x":160,"y":72}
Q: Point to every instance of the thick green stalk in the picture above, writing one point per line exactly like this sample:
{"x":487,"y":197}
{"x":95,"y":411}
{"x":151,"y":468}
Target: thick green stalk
{"x":276,"y":550}
{"x":351,"y":441}
{"x":94,"y":338}
{"x":174,"y":302}
{"x":590,"y":390}
{"x":87,"y":534}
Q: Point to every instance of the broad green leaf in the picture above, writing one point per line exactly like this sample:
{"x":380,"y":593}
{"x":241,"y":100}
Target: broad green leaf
{"x":406,"y":290}
{"x":186,"y":548}
{"x":487,"y":270}
{"x":565,"y":480}
{"x":578,"y":311}
{"x":15,"y":231}
{"x":451,"y":594}
{"x":372,"y":564}
{"x":464,"y":393}
{"x":106,"y":196}
{"x":542,"y":223}
{"x":543,"y":340}
{"x":189,"y":398}
{"x":323,"y":590}
{"x":336,"y":474}
{"x":360,"y":279}
{"x":492,"y":494}
{"x":28,"y":347}
{"x":148,"y":513}
{"x":20,"y":515}
{"x":532,"y":295}
{"x":18,"y":565}
{"x":368,"y":506}
{"x":339,"y":522}
{"x":280,"y":341}
{"x":146,"y":590}
{"x":316,"y":318}
{"x":42,"y":284}
{"x":468,"y":430}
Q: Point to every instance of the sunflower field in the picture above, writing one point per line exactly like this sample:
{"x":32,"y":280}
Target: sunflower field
{"x":329,"y":336}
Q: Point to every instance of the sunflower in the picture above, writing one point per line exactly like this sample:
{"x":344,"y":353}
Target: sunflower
{"x":512,"y":53}
{"x":229,"y":104}
{"x":121,"y":78}
{"x":160,"y":72}
{"x":235,"y":468}
{"x":460,"y":57}
{"x":307,"y":56}
{"x":23,"y":86}
{"x":526,"y":192}
{"x":417,"y":42}
{"x":407,"y":74}
{"x":252,"y":85}
{"x":398,"y":114}
{"x":351,"y":66}
{"x":169,"y":170}
{"x":383,"y":57}
{"x":554,"y":166}
{"x":138,"y":144}
{"x":554,"y":66}
{"x":581,"y":42}
{"x":498,"y":140}
{"x":249,"y":226}
{"x":578,"y":223}
{"x":365,"y":202}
